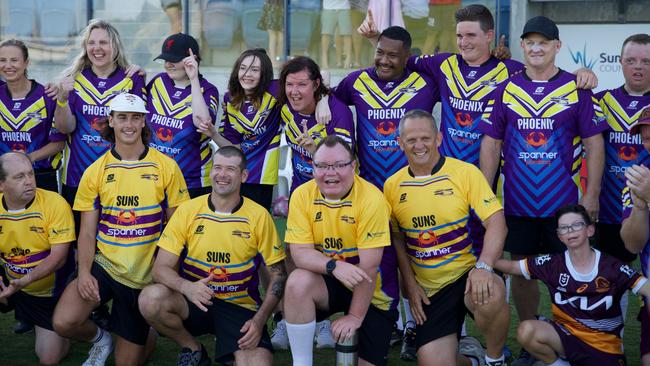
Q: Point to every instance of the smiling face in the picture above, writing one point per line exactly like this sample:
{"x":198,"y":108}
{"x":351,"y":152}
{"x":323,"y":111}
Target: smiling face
{"x":176,"y":71}
{"x":250,"y":73}
{"x":299,"y":89}
{"x":635,"y":61}
{"x":127,"y":127}
{"x":473,"y":44}
{"x":12,"y":63}
{"x":227,"y":175}
{"x":333,"y":171}
{"x":99,"y":49}
{"x":420,"y":141}
{"x":578,"y":231}
{"x":539,"y":52}
{"x":390,"y":58}
{"x":19,"y":187}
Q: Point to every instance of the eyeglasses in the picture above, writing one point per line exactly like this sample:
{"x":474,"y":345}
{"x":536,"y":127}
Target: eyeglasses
{"x":336,"y":166}
{"x":576,"y":226}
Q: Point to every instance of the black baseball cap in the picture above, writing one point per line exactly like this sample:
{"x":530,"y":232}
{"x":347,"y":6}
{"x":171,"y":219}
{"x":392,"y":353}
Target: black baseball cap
{"x":176,"y":47}
{"x":543,"y":26}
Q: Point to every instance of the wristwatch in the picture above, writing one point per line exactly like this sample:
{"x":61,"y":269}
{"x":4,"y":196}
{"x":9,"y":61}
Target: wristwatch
{"x":485,"y":266}
{"x":331,"y":266}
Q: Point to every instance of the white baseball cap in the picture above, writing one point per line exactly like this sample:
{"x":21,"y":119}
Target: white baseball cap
{"x":126,"y":102}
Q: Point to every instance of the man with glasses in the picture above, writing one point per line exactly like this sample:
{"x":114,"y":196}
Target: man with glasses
{"x":338,"y":233}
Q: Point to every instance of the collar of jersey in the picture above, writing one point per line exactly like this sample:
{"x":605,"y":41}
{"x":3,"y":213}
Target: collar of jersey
{"x":31,"y":90}
{"x":4,"y":204}
{"x":436,"y":168}
{"x":213,"y":209}
{"x":557,"y":75}
{"x":118,"y":157}
{"x":622,"y":87}
{"x":90,"y":69}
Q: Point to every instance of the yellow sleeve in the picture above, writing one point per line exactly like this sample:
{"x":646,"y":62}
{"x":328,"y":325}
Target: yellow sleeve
{"x":481,"y":197}
{"x":87,"y":198}
{"x":174,"y":238}
{"x":268,"y":243}
{"x":299,"y":230}
{"x":388,"y":195}
{"x":61,"y":222}
{"x":175,"y":187}
{"x":373,"y":230}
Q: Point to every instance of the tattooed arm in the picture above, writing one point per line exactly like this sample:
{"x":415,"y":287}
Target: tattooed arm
{"x":253,"y":328}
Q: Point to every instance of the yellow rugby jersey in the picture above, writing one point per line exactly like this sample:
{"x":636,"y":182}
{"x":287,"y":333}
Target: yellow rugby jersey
{"x":232,"y":246}
{"x":433,"y":212}
{"x":338,"y":229}
{"x":26,"y":237}
{"x":132,"y":197}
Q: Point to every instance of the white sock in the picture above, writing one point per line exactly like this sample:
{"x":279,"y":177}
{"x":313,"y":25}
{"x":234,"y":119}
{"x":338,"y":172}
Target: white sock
{"x":400,"y":321}
{"x":301,"y":339}
{"x":463,"y":330}
{"x":495,"y":361}
{"x":559,"y":362}
{"x":407,"y":311}
{"x":102,"y":337}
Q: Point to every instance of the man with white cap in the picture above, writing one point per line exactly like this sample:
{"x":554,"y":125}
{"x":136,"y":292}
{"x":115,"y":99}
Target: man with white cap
{"x":541,"y":122}
{"x":124,"y":198}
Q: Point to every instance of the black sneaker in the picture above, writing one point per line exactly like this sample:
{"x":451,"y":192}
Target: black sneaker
{"x":396,"y":335}
{"x":23,"y":327}
{"x":187,"y":357}
{"x":408,"y":352}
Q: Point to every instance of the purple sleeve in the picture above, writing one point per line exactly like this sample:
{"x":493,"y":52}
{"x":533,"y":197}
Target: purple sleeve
{"x":226,"y":129}
{"x":627,"y":203}
{"x":493,"y":121}
{"x":591,"y":120}
{"x":138,"y":86}
{"x":626,"y":277}
{"x":54,"y":135}
{"x":427,"y":64}
{"x":211,"y":97}
{"x":343,"y":91}
{"x":342,"y":121}
{"x":541,"y":267}
{"x":274,"y":88}
{"x":514,"y":67}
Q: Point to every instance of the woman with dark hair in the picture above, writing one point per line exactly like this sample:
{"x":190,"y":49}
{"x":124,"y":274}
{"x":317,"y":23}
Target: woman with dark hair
{"x":586,"y":287}
{"x":179,"y":100}
{"x":26,"y":116}
{"x":301,"y":88}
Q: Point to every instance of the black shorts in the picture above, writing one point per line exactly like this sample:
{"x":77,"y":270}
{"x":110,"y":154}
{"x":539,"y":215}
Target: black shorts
{"x":644,"y":318}
{"x":46,"y":179}
{"x":224,"y":320}
{"x":445,"y":313}
{"x":579,"y":353}
{"x":262,"y":194}
{"x":125,"y":320}
{"x":31,"y":309}
{"x":532,"y":236}
{"x":69,"y":193}
{"x":608,"y":240}
{"x":377,"y":326}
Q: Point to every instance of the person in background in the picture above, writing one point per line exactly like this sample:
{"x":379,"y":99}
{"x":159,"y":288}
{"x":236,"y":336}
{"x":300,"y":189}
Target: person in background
{"x":182,"y":107}
{"x":336,"y":14}
{"x":272,"y":21}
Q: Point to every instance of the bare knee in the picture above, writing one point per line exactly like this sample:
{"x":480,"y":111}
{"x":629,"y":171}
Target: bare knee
{"x":257,"y":356}
{"x":151,"y":300}
{"x":300,"y":284}
{"x":526,"y":332}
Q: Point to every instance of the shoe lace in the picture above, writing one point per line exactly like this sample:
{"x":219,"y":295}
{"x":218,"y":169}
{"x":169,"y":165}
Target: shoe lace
{"x":95,"y":354}
{"x":279,"y":329}
{"x":324,"y":328}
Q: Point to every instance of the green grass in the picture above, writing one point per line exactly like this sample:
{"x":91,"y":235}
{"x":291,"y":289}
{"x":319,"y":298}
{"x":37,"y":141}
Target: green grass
{"x":19,"y":349}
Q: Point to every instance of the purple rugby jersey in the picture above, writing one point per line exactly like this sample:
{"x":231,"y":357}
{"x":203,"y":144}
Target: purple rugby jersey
{"x":27,"y":124}
{"x":341,"y":125}
{"x":379,"y":106}
{"x":644,"y":256}
{"x":622,"y":149}
{"x":464,"y":93}
{"x":89,"y":103}
{"x":172,"y":130}
{"x":257,"y":131}
{"x":541,"y":124}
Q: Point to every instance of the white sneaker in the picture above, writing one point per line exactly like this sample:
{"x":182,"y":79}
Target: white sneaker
{"x":279,"y":337}
{"x":100,"y":351}
{"x":323,"y":335}
{"x":471,"y":347}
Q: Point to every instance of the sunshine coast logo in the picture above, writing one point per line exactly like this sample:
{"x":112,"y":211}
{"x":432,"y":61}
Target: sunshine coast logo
{"x":580,"y":58}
